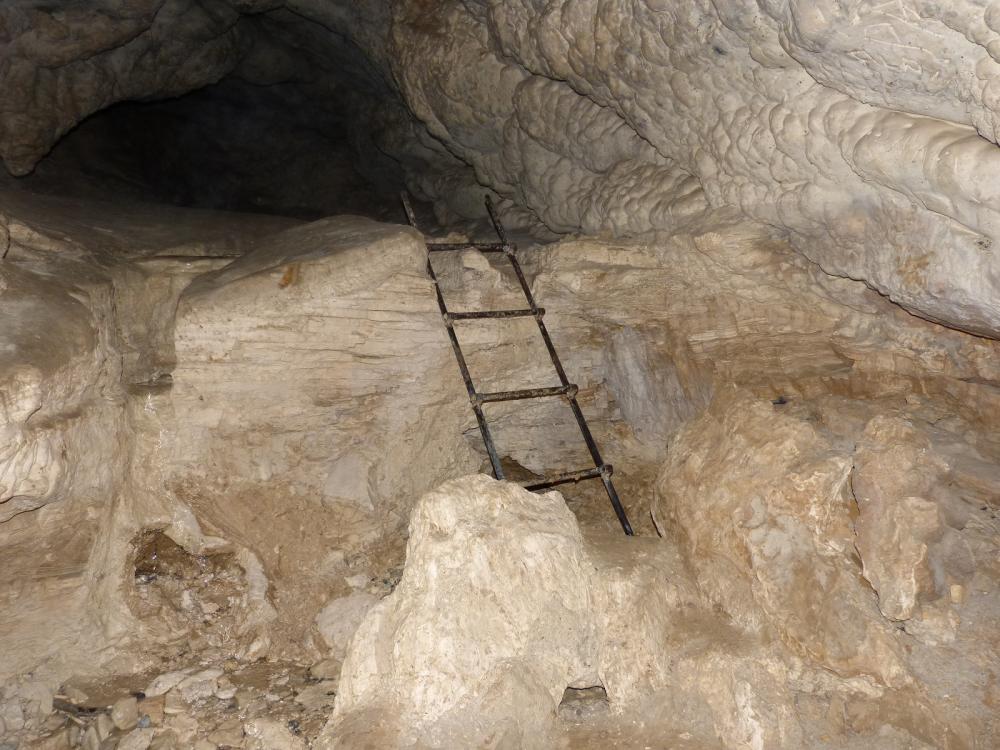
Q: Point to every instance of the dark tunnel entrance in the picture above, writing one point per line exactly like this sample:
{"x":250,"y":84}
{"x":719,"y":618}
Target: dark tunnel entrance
{"x":236,"y":145}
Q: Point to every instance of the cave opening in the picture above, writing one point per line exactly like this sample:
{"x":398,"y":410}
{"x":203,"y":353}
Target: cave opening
{"x":234,"y":146}
{"x":294,"y":127}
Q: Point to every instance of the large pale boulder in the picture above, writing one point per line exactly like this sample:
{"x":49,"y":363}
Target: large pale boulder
{"x":504,"y":604}
{"x":492,"y":603}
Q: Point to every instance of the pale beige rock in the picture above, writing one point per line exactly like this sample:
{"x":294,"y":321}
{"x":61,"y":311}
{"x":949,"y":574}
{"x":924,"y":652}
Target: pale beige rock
{"x":105,"y":726}
{"x":653,"y":333}
{"x":165,"y":683}
{"x":267,"y":734}
{"x":199,"y":686}
{"x":672,"y":93}
{"x":164,"y":741}
{"x":339,"y":619}
{"x":768,"y":532}
{"x":360,"y":313}
{"x":137,"y":739}
{"x":125,"y":713}
{"x":491,"y":608}
{"x":768,"y":502}
{"x":229,"y":733}
{"x":909,"y":551}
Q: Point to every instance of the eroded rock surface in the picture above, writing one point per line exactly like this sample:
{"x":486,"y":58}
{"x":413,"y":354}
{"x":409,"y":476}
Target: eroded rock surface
{"x":501,"y":607}
{"x":273,"y":417}
{"x":808,"y":523}
{"x":867,"y":133}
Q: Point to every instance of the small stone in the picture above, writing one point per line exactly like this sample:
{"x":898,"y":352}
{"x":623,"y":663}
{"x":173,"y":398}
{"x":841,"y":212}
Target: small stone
{"x":185,"y":727}
{"x":165,"y":741}
{"x":74,"y":695}
{"x":125,"y":713}
{"x":153,"y":709}
{"x":104,"y":725}
{"x":328,"y":669}
{"x":225,"y":690}
{"x":165,"y":682}
{"x":53,"y":722}
{"x":244,"y":697}
{"x":204,"y":745}
{"x":957,"y":592}
{"x":57,"y":741}
{"x":200,"y":685}
{"x":267,"y":734}
{"x":110,"y":743}
{"x":318,"y":696}
{"x":12,"y":716}
{"x":137,"y":739}
{"x":228,"y":734}
{"x":174,"y":703}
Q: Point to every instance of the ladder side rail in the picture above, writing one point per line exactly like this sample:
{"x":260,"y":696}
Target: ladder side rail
{"x":463,"y":367}
{"x":588,"y":438}
{"x":467,"y":377}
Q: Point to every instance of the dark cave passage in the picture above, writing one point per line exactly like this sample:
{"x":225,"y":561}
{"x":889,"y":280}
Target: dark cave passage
{"x":298,"y":126}
{"x":235,"y":146}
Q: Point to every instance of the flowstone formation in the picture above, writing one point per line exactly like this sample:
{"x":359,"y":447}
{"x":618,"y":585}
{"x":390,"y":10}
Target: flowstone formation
{"x":866,"y":132}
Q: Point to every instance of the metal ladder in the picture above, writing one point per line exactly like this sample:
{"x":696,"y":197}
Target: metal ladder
{"x":566,"y":389}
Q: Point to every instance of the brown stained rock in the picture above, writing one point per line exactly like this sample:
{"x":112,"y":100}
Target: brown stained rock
{"x":902,"y":532}
{"x":152,"y":708}
{"x":761,"y":501}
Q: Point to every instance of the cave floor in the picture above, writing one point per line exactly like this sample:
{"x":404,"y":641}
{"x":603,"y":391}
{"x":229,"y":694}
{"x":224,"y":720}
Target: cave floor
{"x":200,"y":697}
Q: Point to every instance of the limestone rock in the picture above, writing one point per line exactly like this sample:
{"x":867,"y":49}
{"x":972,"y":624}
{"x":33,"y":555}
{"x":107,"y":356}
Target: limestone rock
{"x":125,"y":713}
{"x":909,"y":550}
{"x":137,"y":739}
{"x":425,"y":652}
{"x":762,"y":500}
{"x":772,"y":503}
{"x":603,"y":115}
{"x":267,"y":734}
{"x":826,"y":120}
{"x":339,"y":619}
{"x":351,"y":297}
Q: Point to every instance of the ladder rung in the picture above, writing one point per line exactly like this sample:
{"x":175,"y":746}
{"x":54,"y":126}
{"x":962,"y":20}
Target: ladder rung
{"x":572,"y":476}
{"x":483,"y":247}
{"x":556,"y":390}
{"x":526,"y":313}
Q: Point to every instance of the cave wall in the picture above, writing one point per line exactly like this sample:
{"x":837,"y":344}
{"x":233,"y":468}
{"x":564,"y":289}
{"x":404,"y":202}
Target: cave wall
{"x":866,"y":133}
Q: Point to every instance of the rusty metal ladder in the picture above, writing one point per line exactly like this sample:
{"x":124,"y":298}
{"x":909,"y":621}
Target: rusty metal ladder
{"x":566,"y":390}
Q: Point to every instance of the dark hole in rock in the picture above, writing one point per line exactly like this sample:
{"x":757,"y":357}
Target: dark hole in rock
{"x":186,"y":592}
{"x":583,"y":704}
